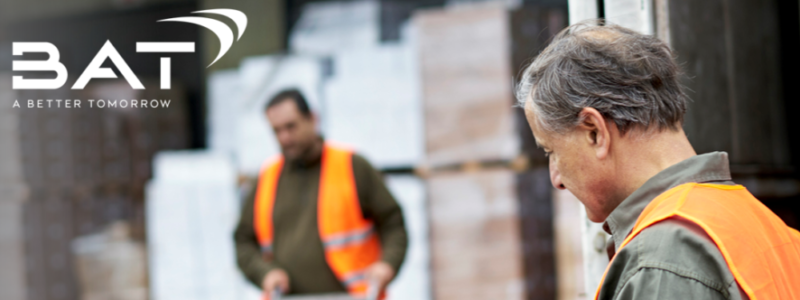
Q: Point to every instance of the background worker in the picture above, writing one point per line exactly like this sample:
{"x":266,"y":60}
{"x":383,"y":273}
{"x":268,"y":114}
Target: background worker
{"x":320,"y":219}
{"x":606,"y":105}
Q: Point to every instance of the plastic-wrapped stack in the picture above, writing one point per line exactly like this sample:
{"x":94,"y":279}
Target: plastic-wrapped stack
{"x":192,"y":208}
{"x":224,"y":100}
{"x":325,"y":28}
{"x":413,"y":281}
{"x":373,"y":102}
{"x":369,"y":82}
{"x":349,"y":79}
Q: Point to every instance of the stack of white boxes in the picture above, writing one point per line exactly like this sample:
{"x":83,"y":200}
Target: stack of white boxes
{"x":192,"y":209}
{"x":373,"y":103}
{"x":413,"y":281}
{"x":224,"y":98}
{"x":329,"y":27}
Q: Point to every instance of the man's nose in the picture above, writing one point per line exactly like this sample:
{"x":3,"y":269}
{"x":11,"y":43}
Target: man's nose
{"x":555,"y":178}
{"x":284,"y":138}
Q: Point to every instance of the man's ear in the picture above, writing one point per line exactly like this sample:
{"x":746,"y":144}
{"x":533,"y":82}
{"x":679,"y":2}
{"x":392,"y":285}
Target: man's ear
{"x":596,"y":130}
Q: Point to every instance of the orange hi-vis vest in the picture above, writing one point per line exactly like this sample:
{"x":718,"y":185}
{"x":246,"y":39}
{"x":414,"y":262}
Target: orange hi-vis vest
{"x":350,"y":242}
{"x":760,"y":250}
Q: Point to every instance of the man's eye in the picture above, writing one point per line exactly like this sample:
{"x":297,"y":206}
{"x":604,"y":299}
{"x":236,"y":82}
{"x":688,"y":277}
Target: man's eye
{"x":547,"y":153}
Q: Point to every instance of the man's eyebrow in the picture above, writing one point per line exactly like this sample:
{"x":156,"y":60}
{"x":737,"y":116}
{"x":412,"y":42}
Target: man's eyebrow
{"x":538,"y":145}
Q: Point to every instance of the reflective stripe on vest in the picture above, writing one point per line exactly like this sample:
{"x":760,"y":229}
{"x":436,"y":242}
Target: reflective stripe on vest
{"x":350,"y":242}
{"x":762,"y":253}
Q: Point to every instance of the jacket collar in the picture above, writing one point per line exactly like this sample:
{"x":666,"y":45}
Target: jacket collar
{"x":709,"y":167}
{"x":311,"y":158}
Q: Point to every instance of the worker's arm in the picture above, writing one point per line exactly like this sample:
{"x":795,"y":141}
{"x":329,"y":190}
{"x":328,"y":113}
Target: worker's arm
{"x":248,"y":252}
{"x":666,"y":284}
{"x":670,"y":260}
{"x":380,"y":206}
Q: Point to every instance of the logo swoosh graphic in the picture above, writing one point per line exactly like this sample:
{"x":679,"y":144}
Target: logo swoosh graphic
{"x":238,"y":17}
{"x":222,"y":31}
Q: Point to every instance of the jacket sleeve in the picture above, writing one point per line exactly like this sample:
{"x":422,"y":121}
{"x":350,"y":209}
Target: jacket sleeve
{"x":379,"y":205}
{"x":671,"y":260}
{"x":661,"y":284}
{"x":248,"y":252}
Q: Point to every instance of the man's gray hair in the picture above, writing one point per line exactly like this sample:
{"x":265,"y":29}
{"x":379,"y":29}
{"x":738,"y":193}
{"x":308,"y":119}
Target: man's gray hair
{"x":630,"y":78}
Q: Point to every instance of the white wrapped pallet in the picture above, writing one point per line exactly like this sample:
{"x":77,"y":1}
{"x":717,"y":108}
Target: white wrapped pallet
{"x":377,"y":86}
{"x":633,"y":14}
{"x":192,"y":208}
{"x":413,"y":281}
{"x":580,"y":10}
{"x":329,"y":27}
{"x":224,"y":102}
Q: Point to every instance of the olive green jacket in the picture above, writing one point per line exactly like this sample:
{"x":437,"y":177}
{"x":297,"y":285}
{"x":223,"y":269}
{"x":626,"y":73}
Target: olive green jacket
{"x":297,"y":246}
{"x":672,"y":259}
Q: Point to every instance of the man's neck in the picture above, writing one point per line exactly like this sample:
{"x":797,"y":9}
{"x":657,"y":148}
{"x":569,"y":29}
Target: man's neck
{"x":647,"y":154}
{"x":312,"y":155}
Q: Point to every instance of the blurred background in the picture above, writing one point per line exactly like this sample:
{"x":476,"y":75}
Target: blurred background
{"x":123,"y":203}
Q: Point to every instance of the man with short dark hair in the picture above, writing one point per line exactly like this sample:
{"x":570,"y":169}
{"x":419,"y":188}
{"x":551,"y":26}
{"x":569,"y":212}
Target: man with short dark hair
{"x":320,"y":219}
{"x":606,"y":105}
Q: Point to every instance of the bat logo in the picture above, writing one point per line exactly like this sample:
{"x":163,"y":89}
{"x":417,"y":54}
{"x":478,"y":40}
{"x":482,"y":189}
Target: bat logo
{"x":95,"y":68}
{"x":222,"y":31}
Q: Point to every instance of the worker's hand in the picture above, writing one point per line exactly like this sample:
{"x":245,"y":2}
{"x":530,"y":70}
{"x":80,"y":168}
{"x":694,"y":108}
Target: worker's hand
{"x":276,"y":278}
{"x":380,"y":273}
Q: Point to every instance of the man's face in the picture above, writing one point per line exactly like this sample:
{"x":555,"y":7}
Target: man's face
{"x":574,"y":166}
{"x":296,"y":133}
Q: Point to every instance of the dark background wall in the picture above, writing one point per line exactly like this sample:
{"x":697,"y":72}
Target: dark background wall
{"x":740,"y":59}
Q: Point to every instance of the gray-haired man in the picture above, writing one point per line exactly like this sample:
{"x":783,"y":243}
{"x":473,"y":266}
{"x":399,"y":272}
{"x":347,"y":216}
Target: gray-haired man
{"x":605,"y":104}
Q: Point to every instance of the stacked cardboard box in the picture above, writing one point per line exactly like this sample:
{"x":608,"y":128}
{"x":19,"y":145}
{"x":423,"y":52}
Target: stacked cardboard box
{"x":466,"y":89}
{"x":466,"y":84}
{"x":111,"y":265}
{"x":475,"y":236}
